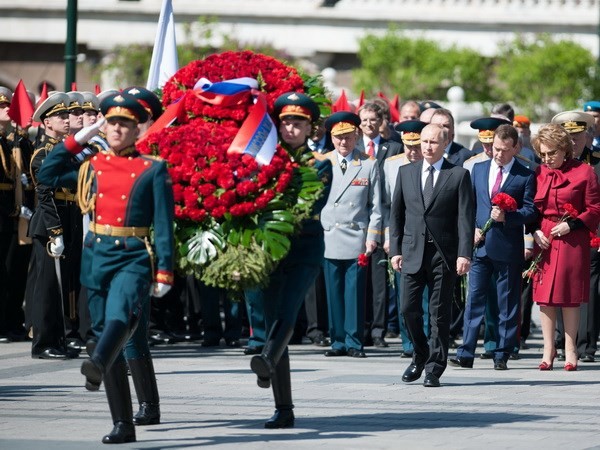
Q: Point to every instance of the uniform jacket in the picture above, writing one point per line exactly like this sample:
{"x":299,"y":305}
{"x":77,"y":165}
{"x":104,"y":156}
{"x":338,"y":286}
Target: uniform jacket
{"x":449,"y":217}
{"x":391,"y":167}
{"x":504,"y":240}
{"x":131,"y":191}
{"x":7,"y":190}
{"x":352,"y":213}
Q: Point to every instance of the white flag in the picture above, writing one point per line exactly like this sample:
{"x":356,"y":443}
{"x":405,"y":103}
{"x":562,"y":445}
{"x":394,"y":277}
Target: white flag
{"x":164,"y":55}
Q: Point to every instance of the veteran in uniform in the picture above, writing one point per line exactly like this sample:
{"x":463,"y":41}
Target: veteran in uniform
{"x":593,"y":108}
{"x":352,"y":223}
{"x":126,"y":193}
{"x":281,"y":300}
{"x":576,"y":124}
{"x":52,"y":233}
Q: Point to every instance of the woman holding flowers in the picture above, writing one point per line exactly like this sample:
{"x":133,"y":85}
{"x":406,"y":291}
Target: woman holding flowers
{"x":568,"y":199}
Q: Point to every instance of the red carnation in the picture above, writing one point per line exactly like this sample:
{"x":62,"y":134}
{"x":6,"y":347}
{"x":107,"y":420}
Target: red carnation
{"x":505,"y":202}
{"x":570,"y":211}
{"x":363,"y":260}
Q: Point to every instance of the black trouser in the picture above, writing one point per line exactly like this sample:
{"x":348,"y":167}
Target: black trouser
{"x":377,"y":296}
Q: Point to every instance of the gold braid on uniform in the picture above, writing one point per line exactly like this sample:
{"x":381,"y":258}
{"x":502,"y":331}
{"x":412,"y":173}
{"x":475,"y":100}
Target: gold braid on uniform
{"x":85,"y":201}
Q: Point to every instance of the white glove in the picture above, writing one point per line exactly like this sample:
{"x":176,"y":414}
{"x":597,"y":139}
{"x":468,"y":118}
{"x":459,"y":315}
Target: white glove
{"x":57,"y":246}
{"x":25,"y":213}
{"x":159,"y":289}
{"x":24,"y":180}
{"x":85,"y":134}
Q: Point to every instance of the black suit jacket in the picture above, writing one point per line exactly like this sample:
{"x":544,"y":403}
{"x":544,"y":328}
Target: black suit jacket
{"x":457,"y":154}
{"x":449,"y":218}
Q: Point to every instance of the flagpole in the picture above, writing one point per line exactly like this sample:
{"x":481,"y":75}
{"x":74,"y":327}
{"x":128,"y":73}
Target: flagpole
{"x":164,"y":61}
{"x":71,"y":45}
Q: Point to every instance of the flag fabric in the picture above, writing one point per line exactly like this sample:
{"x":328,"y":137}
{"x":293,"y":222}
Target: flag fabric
{"x":97,"y":89}
{"x":21,"y":108}
{"x":164,"y":54}
{"x":361,"y":99}
{"x":393,"y":104}
{"x":341,"y":104}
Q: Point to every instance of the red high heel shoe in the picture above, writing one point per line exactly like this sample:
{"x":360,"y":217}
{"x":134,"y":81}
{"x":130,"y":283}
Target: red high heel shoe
{"x":570,"y":367}
{"x":548,"y":366}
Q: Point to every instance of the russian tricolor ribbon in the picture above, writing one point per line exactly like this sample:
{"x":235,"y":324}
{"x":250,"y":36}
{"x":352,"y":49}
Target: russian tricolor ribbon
{"x":256,"y":137}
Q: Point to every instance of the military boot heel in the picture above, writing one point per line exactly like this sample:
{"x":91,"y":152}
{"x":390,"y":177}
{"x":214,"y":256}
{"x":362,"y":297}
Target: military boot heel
{"x":119,"y":403}
{"x":144,"y":381}
{"x":282,"y":392}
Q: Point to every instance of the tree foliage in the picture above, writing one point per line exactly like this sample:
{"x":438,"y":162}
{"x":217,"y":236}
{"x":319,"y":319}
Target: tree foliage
{"x":418,"y":68}
{"x":544,"y":76}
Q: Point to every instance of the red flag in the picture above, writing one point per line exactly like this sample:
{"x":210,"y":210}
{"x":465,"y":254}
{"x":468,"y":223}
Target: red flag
{"x":97,"y":89}
{"x":341,"y":104}
{"x":21,"y":108}
{"x":74,"y":86}
{"x":361,"y":99}
{"x":393,"y":104}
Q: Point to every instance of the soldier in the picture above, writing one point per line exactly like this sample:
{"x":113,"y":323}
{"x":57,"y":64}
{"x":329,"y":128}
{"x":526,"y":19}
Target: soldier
{"x":351,"y":220}
{"x":576,"y":124}
{"x":7,"y":206}
{"x":281,"y":300}
{"x":52,"y":234}
{"x":126,"y":193}
{"x":593,"y":108}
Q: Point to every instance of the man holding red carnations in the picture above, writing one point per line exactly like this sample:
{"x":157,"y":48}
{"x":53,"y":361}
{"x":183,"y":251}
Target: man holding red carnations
{"x":504,"y":191}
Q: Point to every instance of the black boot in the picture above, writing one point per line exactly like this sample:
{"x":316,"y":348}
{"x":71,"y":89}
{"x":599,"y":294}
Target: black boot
{"x":144,"y":381}
{"x":109,"y":346}
{"x":119,"y":402}
{"x":282,"y":392}
{"x":263,"y":365}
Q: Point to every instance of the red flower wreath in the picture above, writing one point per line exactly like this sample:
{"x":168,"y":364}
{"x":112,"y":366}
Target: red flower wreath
{"x":230,"y":211}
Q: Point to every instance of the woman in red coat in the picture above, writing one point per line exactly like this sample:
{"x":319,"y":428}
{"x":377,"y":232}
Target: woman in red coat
{"x":562,"y":279}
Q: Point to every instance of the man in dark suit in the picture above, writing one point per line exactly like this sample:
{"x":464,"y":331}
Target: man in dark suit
{"x":431,"y":241}
{"x":454,"y":152}
{"x":372,"y":143}
{"x":500,"y":251}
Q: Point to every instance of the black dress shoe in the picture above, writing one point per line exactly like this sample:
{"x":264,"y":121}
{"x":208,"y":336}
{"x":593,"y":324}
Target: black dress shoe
{"x":52,"y":353}
{"x":320,"y":340}
{"x":253,"y":350}
{"x":211,"y":343}
{"x":122,"y":432}
{"x":356,"y":353}
{"x":500,"y":365}
{"x":412,"y":373}
{"x":514,"y":356}
{"x":487,"y":355}
{"x":392,"y":335}
{"x":4,"y":339}
{"x":431,"y":381}
{"x":379,"y":342}
{"x":466,"y":363}
{"x":149,"y":414}
{"x":92,"y":373}
{"x":335,"y":352}
{"x":561,"y":356}
{"x":283,"y":418}
{"x":232,"y":343}
{"x":587,"y":358}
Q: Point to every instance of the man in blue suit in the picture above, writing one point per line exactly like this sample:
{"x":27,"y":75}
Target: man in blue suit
{"x":499,"y":251}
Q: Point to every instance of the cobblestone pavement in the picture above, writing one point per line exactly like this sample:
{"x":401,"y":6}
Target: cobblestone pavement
{"x":209,"y":398}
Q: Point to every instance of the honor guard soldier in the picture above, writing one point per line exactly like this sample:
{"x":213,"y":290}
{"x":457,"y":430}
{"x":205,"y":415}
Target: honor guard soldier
{"x":51,"y":231}
{"x":126,"y":193}
{"x":576,"y":123}
{"x":289,"y":283}
{"x":151,"y":104}
{"x":7,"y":206}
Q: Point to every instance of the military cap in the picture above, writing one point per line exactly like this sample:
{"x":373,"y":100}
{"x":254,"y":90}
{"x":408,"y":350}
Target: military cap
{"x":90,"y":101}
{"x":342,"y":122}
{"x":594,"y":105}
{"x":410,"y":131}
{"x":5,"y":95}
{"x":521,"y":122}
{"x":428,"y":104}
{"x":574,"y":121}
{"x":56,"y":103}
{"x":125,"y":106}
{"x":75,"y":100}
{"x":487,"y":126}
{"x":148,"y":99}
{"x":102,"y":95}
{"x":296,"y":104}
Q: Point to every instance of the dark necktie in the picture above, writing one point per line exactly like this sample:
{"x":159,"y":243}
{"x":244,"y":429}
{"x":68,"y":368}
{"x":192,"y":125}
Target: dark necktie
{"x":428,"y":189}
{"x":344,"y":165}
{"x":497,"y":183}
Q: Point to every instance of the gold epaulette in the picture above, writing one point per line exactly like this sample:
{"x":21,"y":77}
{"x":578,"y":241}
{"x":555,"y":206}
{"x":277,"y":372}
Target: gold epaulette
{"x":395,"y":157}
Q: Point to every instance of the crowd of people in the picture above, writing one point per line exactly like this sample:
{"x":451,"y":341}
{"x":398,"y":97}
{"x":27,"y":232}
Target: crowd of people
{"x":414,"y":236}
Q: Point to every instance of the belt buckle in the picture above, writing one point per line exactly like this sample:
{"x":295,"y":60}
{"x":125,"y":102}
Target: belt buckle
{"x":107,"y":230}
